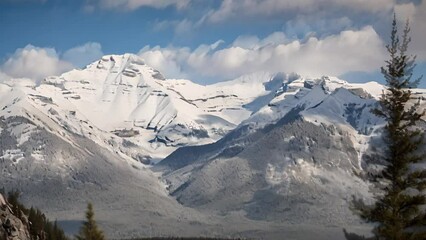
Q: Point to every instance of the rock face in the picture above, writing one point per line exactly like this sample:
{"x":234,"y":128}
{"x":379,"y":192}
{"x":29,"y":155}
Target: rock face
{"x":12,"y":228}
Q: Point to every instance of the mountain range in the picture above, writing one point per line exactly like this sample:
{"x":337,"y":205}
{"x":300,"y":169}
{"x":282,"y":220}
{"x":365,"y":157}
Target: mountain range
{"x":265,"y":155}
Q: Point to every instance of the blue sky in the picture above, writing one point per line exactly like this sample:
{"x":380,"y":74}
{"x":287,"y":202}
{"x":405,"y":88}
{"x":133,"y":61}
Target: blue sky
{"x":207,"y":40}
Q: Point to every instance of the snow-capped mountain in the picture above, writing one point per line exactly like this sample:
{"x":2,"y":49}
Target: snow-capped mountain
{"x":326,"y":101}
{"x":263,"y":151}
{"x":123,"y":96}
{"x":124,"y":105}
{"x":300,"y":159}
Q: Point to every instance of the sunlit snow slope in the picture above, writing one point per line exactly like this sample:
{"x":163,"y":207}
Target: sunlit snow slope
{"x":124,"y":96}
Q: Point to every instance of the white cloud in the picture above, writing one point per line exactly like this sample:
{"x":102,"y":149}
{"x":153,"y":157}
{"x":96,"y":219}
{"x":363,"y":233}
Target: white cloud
{"x":417,"y":17}
{"x":174,"y":62}
{"x":169,"y":60}
{"x":4,"y":77}
{"x":82,"y":55}
{"x":302,"y":26}
{"x":249,"y":8}
{"x":180,"y":27}
{"x":129,"y":5}
{"x":405,"y":11}
{"x":253,"y":42}
{"x":360,"y":50}
{"x":35,"y":63}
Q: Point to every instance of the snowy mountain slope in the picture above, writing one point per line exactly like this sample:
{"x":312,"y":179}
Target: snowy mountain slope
{"x":119,"y":94}
{"x":327,"y":101}
{"x":272,"y":181}
{"x":59,"y":175}
{"x":299,"y":159}
{"x":232,"y":100}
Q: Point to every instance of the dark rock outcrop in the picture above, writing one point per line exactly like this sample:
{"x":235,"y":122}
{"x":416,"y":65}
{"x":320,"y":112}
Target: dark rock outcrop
{"x":12,"y":227}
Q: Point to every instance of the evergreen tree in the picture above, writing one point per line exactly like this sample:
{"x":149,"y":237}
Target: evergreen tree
{"x":90,"y":230}
{"x":397,"y":211}
{"x":40,"y":228}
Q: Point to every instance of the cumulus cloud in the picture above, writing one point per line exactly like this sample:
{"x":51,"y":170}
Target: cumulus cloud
{"x":35,"y":63}
{"x":241,"y":8}
{"x":170,"y":61}
{"x":351,"y":50}
{"x":82,"y":55}
{"x":129,"y":5}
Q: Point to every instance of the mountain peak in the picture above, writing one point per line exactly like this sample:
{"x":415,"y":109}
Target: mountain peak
{"x":127,"y":58}
{"x":128,"y":64}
